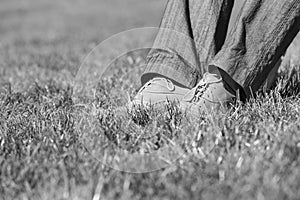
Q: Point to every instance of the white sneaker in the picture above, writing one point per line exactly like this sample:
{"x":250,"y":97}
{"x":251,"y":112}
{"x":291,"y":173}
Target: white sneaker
{"x":157,"y":91}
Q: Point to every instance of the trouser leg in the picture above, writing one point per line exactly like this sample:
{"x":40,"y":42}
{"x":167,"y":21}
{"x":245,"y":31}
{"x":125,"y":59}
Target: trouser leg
{"x":260,"y":36}
{"x":192,"y":32}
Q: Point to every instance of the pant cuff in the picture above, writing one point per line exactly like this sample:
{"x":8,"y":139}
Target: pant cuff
{"x":171,"y":67}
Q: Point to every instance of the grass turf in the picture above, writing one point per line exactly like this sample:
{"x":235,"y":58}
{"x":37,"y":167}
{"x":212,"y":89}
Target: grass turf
{"x":47,"y":137}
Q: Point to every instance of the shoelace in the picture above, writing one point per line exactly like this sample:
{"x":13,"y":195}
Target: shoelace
{"x":200,"y":88}
{"x":169,"y":84}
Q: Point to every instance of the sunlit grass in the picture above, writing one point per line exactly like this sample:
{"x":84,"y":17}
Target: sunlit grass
{"x":49,"y":136}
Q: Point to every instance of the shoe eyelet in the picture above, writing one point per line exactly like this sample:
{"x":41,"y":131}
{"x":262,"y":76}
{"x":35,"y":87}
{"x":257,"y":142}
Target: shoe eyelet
{"x":170,"y":85}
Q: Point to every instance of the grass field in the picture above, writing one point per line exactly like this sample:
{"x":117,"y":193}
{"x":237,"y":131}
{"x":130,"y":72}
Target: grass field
{"x":50,"y":138}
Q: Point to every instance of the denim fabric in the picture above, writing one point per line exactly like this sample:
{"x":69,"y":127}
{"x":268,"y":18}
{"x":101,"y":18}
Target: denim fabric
{"x":260,"y":35}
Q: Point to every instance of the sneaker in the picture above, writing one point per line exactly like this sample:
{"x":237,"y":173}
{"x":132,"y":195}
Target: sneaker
{"x":209,"y":94}
{"x":158,"y":91}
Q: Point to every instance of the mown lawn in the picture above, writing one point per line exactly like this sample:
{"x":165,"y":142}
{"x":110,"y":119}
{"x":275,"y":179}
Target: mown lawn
{"x":56,"y":143}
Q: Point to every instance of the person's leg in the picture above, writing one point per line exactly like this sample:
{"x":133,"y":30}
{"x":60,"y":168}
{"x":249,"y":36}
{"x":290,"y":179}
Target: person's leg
{"x":258,"y":39}
{"x":191,"y":33}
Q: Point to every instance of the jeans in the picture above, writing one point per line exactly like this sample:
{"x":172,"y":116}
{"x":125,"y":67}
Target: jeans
{"x":194,"y":38}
